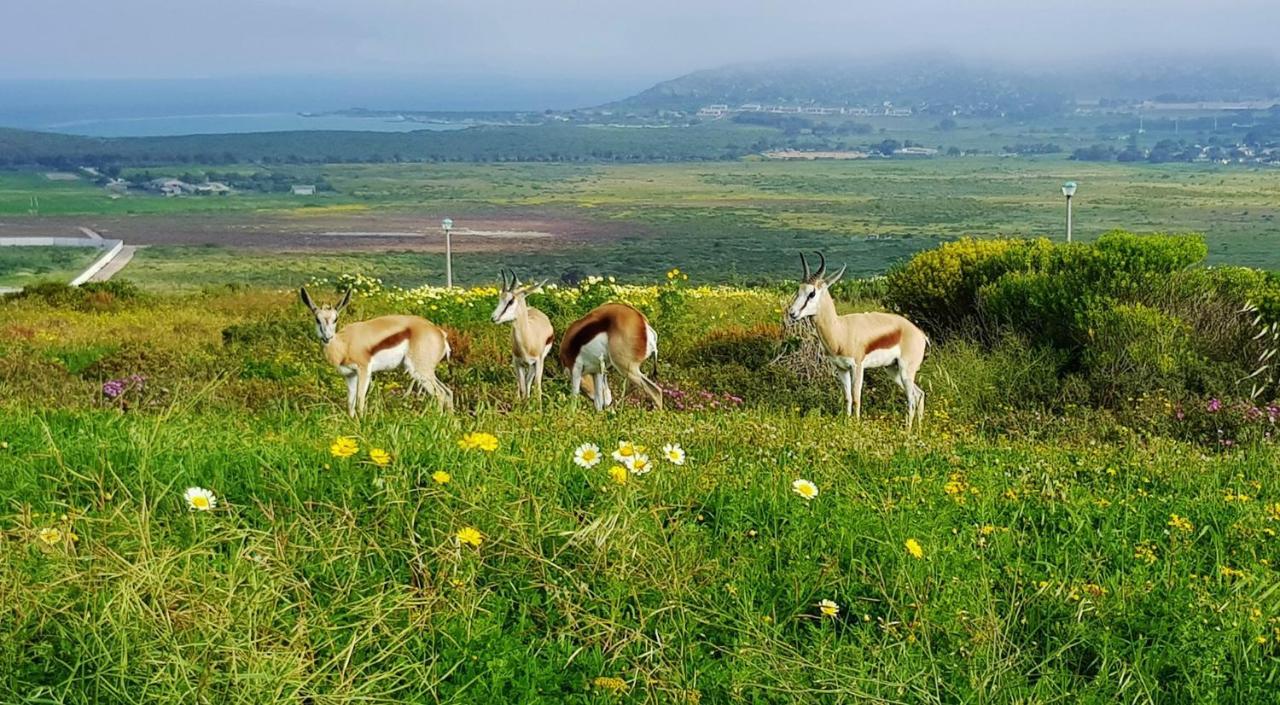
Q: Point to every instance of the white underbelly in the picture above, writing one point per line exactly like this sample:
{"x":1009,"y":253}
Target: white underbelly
{"x":594,"y":355}
{"x":389,"y":359}
{"x":882,"y":357}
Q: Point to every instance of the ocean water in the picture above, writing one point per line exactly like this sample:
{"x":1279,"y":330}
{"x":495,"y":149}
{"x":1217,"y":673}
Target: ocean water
{"x":231,"y":123}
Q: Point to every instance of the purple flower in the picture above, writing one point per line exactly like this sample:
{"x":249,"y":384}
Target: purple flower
{"x":113,"y":388}
{"x":1214,"y":405}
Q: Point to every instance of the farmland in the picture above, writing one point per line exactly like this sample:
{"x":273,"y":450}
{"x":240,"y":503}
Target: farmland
{"x":724,"y":221}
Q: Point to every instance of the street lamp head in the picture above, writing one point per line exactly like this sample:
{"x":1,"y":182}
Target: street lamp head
{"x":447,"y":224}
{"x":1069,"y":189}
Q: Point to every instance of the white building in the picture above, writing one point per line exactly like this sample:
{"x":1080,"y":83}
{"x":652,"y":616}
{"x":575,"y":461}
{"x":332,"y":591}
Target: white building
{"x":304,"y":190}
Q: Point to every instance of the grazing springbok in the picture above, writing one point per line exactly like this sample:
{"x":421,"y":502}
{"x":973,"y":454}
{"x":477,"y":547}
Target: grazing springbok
{"x":857,"y":341}
{"x":611,"y":335}
{"x":383,"y":343}
{"x":531,"y":332}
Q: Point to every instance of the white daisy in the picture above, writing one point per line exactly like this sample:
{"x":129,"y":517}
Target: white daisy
{"x":638,"y":464}
{"x":673,"y":453}
{"x":627,"y":450}
{"x":200,"y":499}
{"x":805,"y":489}
{"x":587,"y":455}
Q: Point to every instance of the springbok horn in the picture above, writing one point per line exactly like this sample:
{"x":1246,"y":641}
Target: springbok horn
{"x":503,"y":273}
{"x":804,"y":263}
{"x":822,"y":266}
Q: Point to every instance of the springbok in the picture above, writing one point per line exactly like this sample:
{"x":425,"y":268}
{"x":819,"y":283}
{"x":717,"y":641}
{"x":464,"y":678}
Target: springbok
{"x":383,"y":343}
{"x":531,"y":332}
{"x":611,"y":335}
{"x":857,"y":341}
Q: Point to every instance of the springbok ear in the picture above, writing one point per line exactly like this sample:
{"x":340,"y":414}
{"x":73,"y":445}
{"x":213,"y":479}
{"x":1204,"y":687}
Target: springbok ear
{"x":306,"y":299}
{"x":837,"y":277}
{"x":346,"y":299}
{"x":539,"y":286}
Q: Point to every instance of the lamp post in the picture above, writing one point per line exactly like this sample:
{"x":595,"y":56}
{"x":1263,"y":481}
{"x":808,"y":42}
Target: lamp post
{"x":447,"y":225}
{"x":1069,"y":190}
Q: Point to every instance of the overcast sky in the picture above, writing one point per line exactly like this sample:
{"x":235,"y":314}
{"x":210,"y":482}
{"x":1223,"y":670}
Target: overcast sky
{"x":637,"y":39}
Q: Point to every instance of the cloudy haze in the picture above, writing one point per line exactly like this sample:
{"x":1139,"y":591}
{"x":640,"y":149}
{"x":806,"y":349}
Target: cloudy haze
{"x":629,"y":41}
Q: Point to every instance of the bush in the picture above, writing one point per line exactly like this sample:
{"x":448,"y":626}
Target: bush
{"x":938,"y":288}
{"x":1133,"y":348}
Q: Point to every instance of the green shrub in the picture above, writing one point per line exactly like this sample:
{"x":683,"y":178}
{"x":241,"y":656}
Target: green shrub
{"x":938,"y":288}
{"x":1132,"y":348}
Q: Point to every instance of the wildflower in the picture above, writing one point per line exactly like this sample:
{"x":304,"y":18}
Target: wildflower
{"x":914,"y":548}
{"x":627,"y":449}
{"x":200,"y":499}
{"x":1273,"y":511}
{"x":804,"y":488}
{"x":1214,"y":405}
{"x":441,"y":477}
{"x":1145,"y":552}
{"x":380,"y":457}
{"x":610,"y":684}
{"x":50,"y":536}
{"x":587,"y":455}
{"x":486,"y":442}
{"x":618,"y":474}
{"x":828,"y":608}
{"x":470,"y":536}
{"x":1228,"y":572}
{"x":344,"y":447}
{"x":673,"y":453}
{"x":1180,"y":523}
{"x":639,"y":464}
{"x":987,"y":529}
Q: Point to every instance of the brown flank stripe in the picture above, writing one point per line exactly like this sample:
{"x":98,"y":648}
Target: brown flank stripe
{"x":389,"y":342}
{"x":577,"y":338}
{"x":885,"y":341}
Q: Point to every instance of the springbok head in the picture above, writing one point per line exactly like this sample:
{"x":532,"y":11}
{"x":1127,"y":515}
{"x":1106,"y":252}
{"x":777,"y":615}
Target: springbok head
{"x":811,"y":288}
{"x":510,"y":294}
{"x":326,"y":317}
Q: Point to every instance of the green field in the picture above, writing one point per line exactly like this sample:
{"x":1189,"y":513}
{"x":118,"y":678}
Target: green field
{"x":1063,"y":556}
{"x":20,"y":266}
{"x":728,"y":221}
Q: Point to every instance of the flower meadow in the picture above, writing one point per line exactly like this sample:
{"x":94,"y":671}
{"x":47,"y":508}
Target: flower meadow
{"x":229,"y":535}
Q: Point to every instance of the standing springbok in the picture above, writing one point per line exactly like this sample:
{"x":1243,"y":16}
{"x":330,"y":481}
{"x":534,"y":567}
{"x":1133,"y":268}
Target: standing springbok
{"x":611,"y":335}
{"x":531,"y":332}
{"x":857,"y":341}
{"x":383,"y":343}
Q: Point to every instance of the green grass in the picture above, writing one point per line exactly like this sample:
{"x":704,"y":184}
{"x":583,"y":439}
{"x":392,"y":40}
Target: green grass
{"x":1053,"y":569}
{"x":20,"y":266}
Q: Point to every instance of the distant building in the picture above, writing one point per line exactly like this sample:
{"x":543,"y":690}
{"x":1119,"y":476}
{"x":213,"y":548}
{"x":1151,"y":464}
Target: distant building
{"x":213,"y":188}
{"x":304,"y":190}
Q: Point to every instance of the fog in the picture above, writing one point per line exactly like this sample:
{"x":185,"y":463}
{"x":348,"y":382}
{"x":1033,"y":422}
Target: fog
{"x":630,"y":42}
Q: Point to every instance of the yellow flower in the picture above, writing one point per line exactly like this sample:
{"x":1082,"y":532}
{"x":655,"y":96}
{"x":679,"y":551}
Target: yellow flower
{"x":618,"y":474}
{"x":805,"y":489}
{"x":441,"y":477}
{"x":1181,"y":523}
{"x":610,"y":684}
{"x":380,"y":457}
{"x":673,"y":453}
{"x":914,"y":548}
{"x":587,"y":455}
{"x":828,"y":608}
{"x":1145,"y":552}
{"x":344,"y":447}
{"x":1228,"y":572}
{"x":50,"y":536}
{"x":486,"y":442}
{"x":470,"y":536}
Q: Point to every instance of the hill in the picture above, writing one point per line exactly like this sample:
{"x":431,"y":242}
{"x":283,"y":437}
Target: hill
{"x":947,"y":86}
